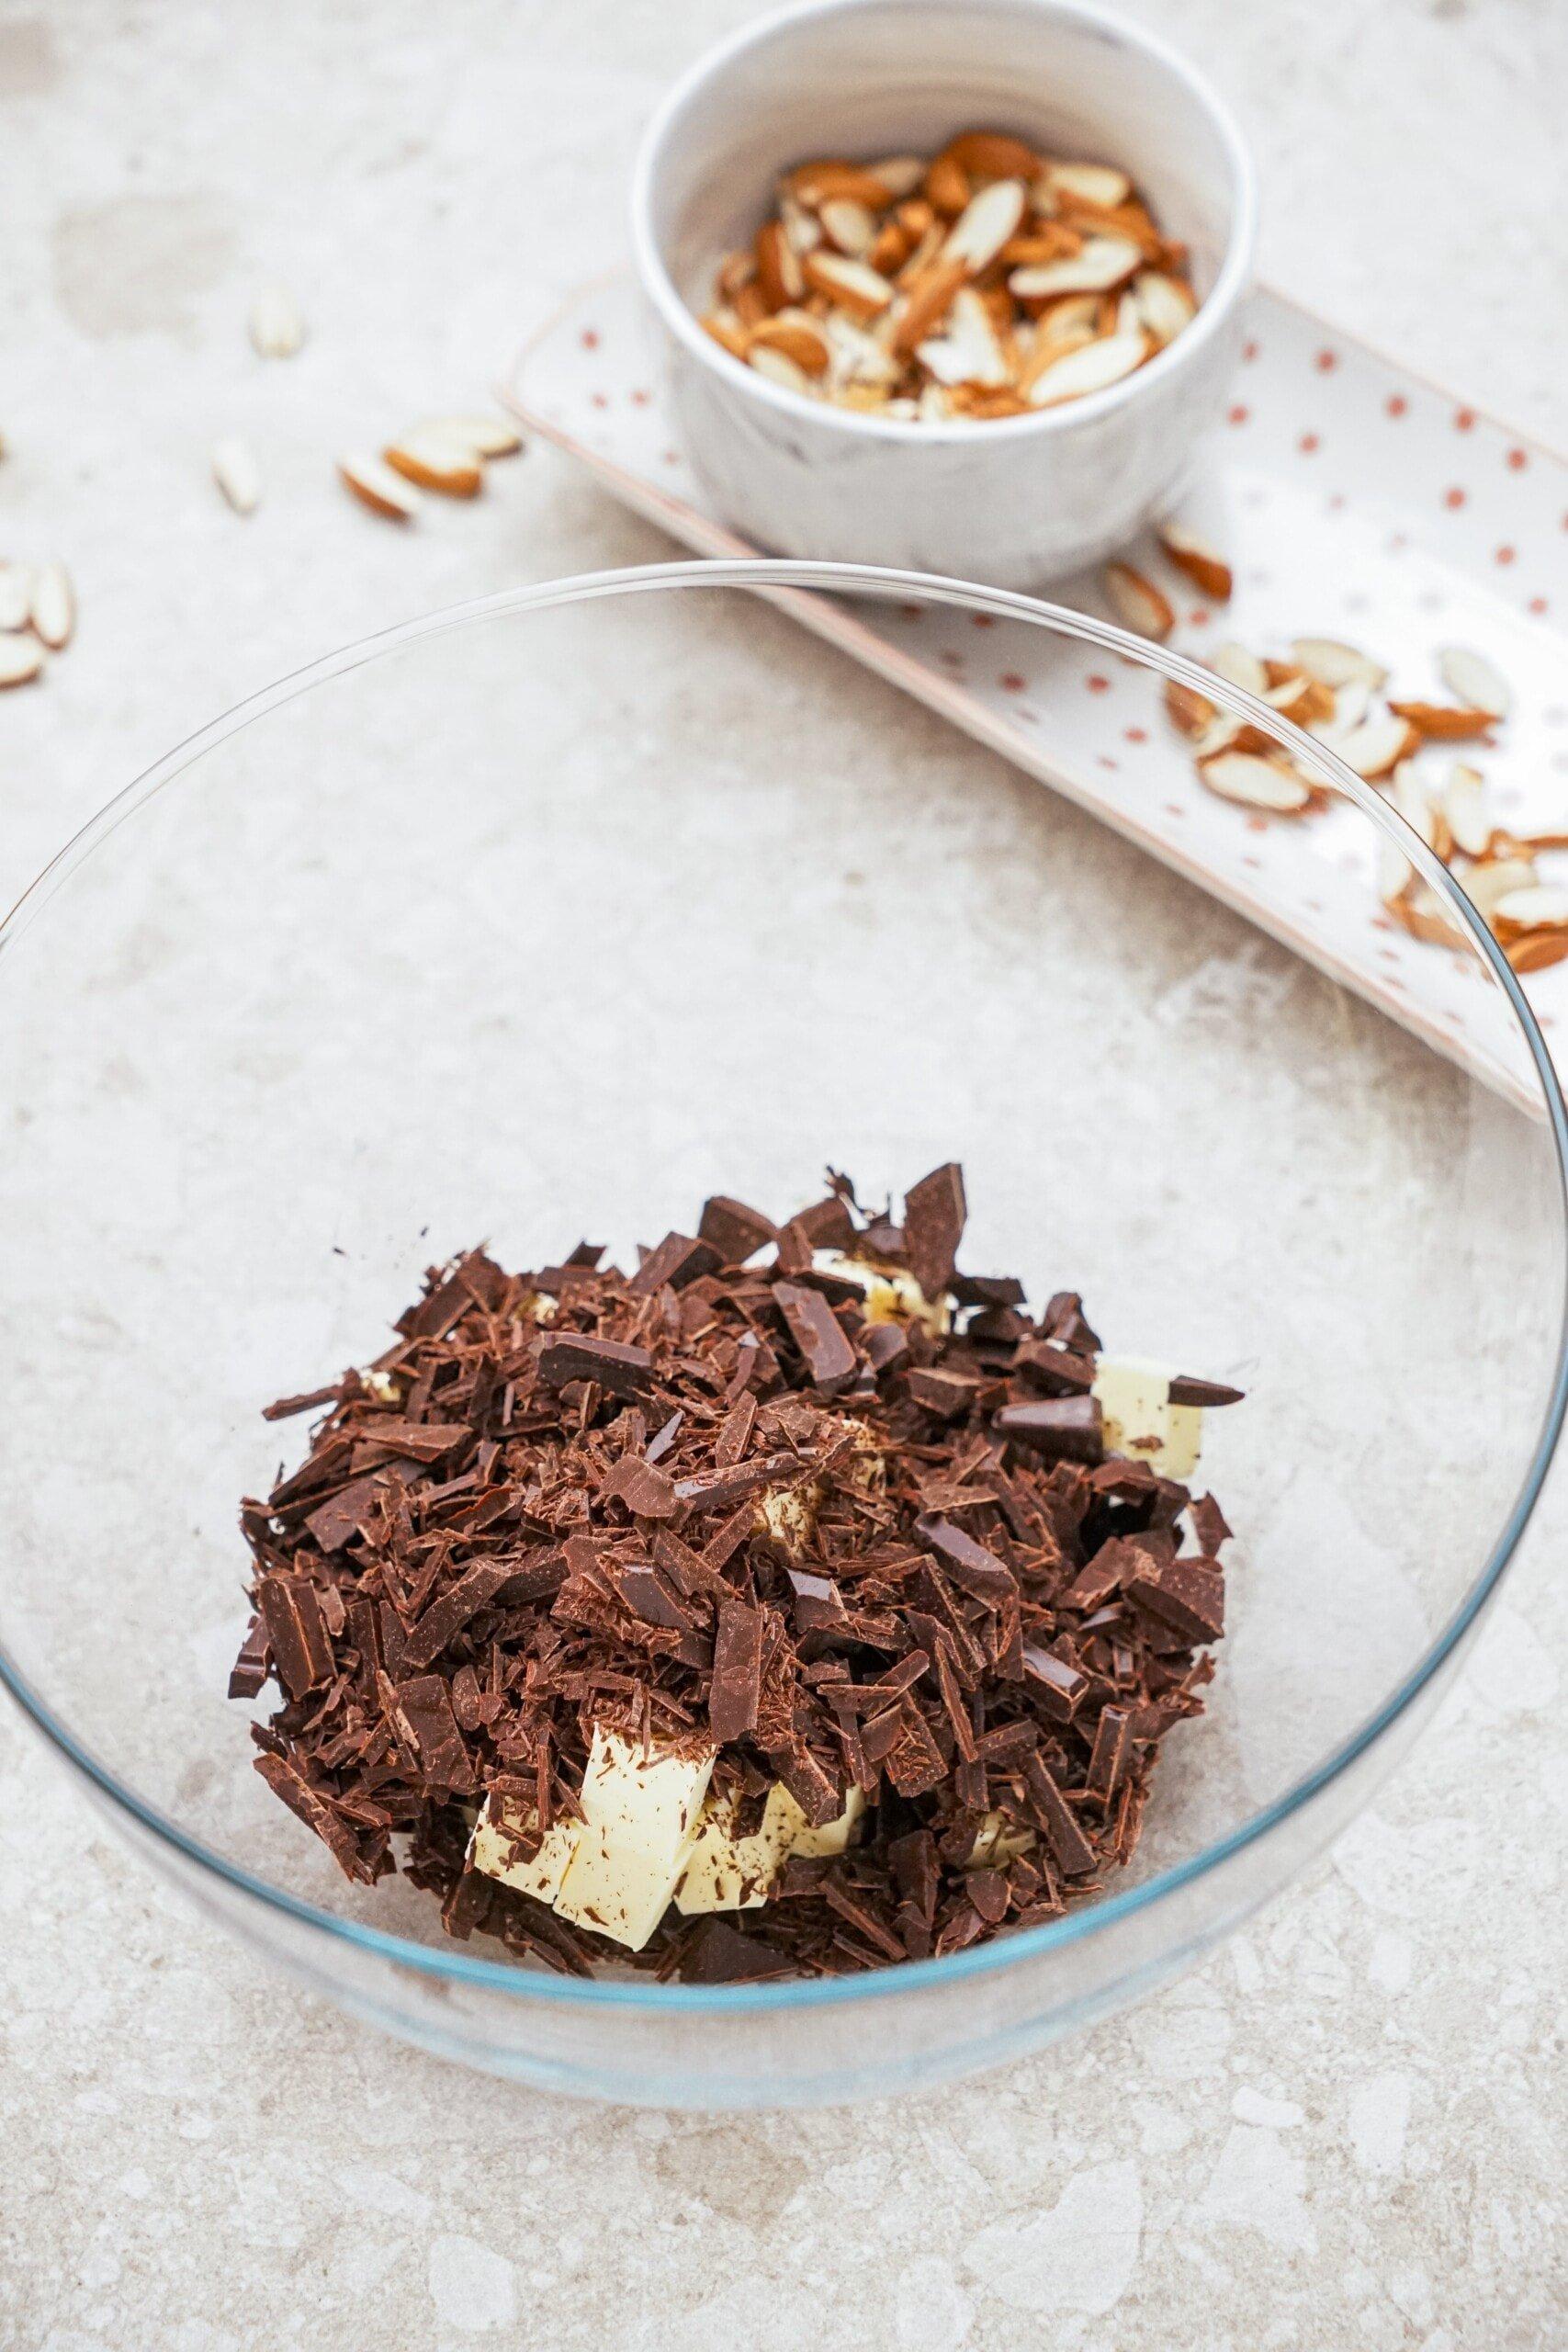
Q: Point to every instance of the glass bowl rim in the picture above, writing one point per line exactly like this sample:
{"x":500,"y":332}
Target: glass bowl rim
{"x":779,"y":579}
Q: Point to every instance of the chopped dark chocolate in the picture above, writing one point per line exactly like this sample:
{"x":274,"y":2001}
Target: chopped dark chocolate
{"x":1185,"y":1389}
{"x":711,"y":1508}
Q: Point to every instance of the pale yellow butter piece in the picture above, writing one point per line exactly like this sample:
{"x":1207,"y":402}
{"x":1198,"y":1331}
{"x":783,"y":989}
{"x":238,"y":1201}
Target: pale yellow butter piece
{"x":788,"y":1514}
{"x":998,"y":1842}
{"x":1140,"y":1420}
{"x":640,"y":1824}
{"x":493,"y":1850}
{"x":730,"y":1873}
{"x":892,"y":1294}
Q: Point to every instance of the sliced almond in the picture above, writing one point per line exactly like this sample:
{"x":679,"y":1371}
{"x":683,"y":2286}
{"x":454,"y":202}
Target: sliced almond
{"x":1533,"y":907}
{"x":734,"y":271}
{"x":1194,"y":556}
{"x":855,"y":357}
{"x":16,"y":596}
{"x":277,"y":328}
{"x":435,"y":464}
{"x":1241,"y":667}
{"x":21,"y":658}
{"x":899,"y":176}
{"x":947,"y":186}
{"x":1137,"y":602}
{"x":1537,"y":949}
{"x":803,"y":230}
{"x":1093,"y":370}
{"x":1191,"y":711}
{"x":969,"y":353}
{"x":833,"y":177}
{"x":1292,"y":698}
{"x":1099,"y":183}
{"x":237,"y":474}
{"x":1444,"y":722}
{"x":1425,"y":916}
{"x":928,"y":299}
{"x":1337,"y":665}
{"x":779,"y":369}
{"x":985,"y":225}
{"x":1376,"y":747}
{"x":487,"y":436}
{"x":1165,"y":304}
{"x":1464,"y":806}
{"x":1346,"y":707}
{"x":1257,"y":782}
{"x":54,"y":611}
{"x":1502,"y":878}
{"x":864,"y":292}
{"x":726,"y":328}
{"x":780,"y":269}
{"x":1474,"y":680}
{"x":798,"y":336}
{"x":375,"y":484}
{"x":1103,"y":263}
{"x":849,"y":225}
{"x":993,"y":155}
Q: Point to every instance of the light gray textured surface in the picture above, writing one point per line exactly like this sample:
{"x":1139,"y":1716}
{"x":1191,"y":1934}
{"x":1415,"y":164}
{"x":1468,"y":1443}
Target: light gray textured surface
{"x":1348,"y":2129}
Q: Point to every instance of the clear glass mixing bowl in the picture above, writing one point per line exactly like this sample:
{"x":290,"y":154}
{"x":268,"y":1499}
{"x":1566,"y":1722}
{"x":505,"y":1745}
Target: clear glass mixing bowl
{"x":551,"y":914}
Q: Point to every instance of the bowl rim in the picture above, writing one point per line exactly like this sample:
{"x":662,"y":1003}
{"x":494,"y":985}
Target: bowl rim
{"x":779,"y":580}
{"x":1211,"y":319}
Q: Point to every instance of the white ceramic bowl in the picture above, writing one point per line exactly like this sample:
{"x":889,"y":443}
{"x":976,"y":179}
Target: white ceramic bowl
{"x":1014,"y":502}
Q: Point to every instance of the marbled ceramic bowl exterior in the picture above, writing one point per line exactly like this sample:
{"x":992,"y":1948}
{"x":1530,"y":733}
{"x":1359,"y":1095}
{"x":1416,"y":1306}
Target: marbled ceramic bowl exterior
{"x":1014,"y":502}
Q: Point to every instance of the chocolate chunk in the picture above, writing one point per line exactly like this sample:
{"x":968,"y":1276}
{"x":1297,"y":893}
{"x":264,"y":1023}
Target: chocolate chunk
{"x":1209,"y":1524}
{"x":945,"y":1394}
{"x":660,"y":1445}
{"x":1070,"y":1429}
{"x":813,"y":1328}
{"x":736,"y":1231}
{"x":971,"y":1566}
{"x":715,"y":1953}
{"x":1188,"y":1594}
{"x":737,"y":1672}
{"x":828,"y":1225}
{"x":818,"y":1604}
{"x":1057,"y":1370}
{"x":622,"y":1371}
{"x":727,"y":1483}
{"x":647,"y":1595}
{"x":934,"y":1214}
{"x":679,"y":1260}
{"x":482,"y":1588}
{"x":1112,"y":1742}
{"x":251,"y":1669}
{"x":423,"y":1712}
{"x":888,"y":1346}
{"x":645,"y":1491}
{"x":286,"y":1407}
{"x":295,"y":1632}
{"x":1187,"y":1390}
{"x":1062,"y":1687}
{"x":1070,"y":1849}
{"x":1107,"y":1573}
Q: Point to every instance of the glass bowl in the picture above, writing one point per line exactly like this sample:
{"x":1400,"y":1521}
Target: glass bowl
{"x":555,"y":912}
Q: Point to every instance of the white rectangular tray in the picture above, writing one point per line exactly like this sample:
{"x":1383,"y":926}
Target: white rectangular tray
{"x":1352,"y":500}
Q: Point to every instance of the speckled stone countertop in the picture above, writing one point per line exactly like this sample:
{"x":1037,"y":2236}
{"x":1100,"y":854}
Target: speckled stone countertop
{"x":1348,"y":2130}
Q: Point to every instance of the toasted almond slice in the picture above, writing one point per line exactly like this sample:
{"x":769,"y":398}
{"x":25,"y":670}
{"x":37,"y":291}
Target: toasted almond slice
{"x":1423,"y":915}
{"x":1464,"y":806}
{"x":946,"y":186}
{"x":237,"y":474}
{"x":1104,"y":263}
{"x":725,"y":329}
{"x":435,"y":464}
{"x":1099,"y":183}
{"x":864,"y":292}
{"x":278,"y":329}
{"x":969,"y":353}
{"x":21,"y":658}
{"x":751,"y":303}
{"x":375,"y":484}
{"x":1337,"y":665}
{"x":929,"y":298}
{"x":899,"y":176}
{"x":934,"y":406}
{"x":779,"y":369}
{"x":1191,"y":711}
{"x":15,"y":594}
{"x":985,"y":225}
{"x":1346,"y":707}
{"x":993,"y":155}
{"x":736,"y":270}
{"x":1094,"y":369}
{"x":487,"y":436}
{"x":1472,"y":679}
{"x":1407,"y":795}
{"x":780,"y":269}
{"x":1536,"y":950}
{"x":798,"y":336}
{"x":1376,"y":747}
{"x":819,"y":182}
{"x":1535,"y":907}
{"x":857,"y":357}
{"x":1497,"y":878}
{"x":53,"y":605}
{"x":803,"y":230}
{"x":1137,"y":602}
{"x":1165,"y":304}
{"x":1444,"y":722}
{"x":1241,"y":667}
{"x":1292,"y":697}
{"x":849,"y":225}
{"x":1194,"y":556}
{"x":1257,"y":782}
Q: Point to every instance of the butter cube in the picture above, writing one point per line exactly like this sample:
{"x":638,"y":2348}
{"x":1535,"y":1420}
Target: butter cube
{"x":640,"y":1824}
{"x":493,"y":1850}
{"x":998,"y":1842}
{"x":730,"y":1874}
{"x":892,"y":1294}
{"x":1140,"y":1420}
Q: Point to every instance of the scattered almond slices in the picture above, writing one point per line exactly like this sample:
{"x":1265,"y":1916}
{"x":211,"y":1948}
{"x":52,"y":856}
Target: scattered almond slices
{"x":434,"y":463}
{"x":990,"y":280}
{"x":1336,"y":664}
{"x":1193,"y":556}
{"x":1239,"y":668}
{"x":235,"y":472}
{"x":16,"y":596}
{"x":21,"y":658}
{"x":53,"y":605}
{"x":276,"y":325}
{"x":486,"y":436}
{"x":1464,"y":810}
{"x":1472,"y":678}
{"x":1258,"y":780}
{"x":1187,"y":708}
{"x":1375,"y":748}
{"x":375,"y":484}
{"x":1444,"y":722}
{"x":1138,"y":604}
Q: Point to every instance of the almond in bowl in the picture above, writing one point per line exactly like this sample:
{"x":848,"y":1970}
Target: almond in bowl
{"x":983,"y":281}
